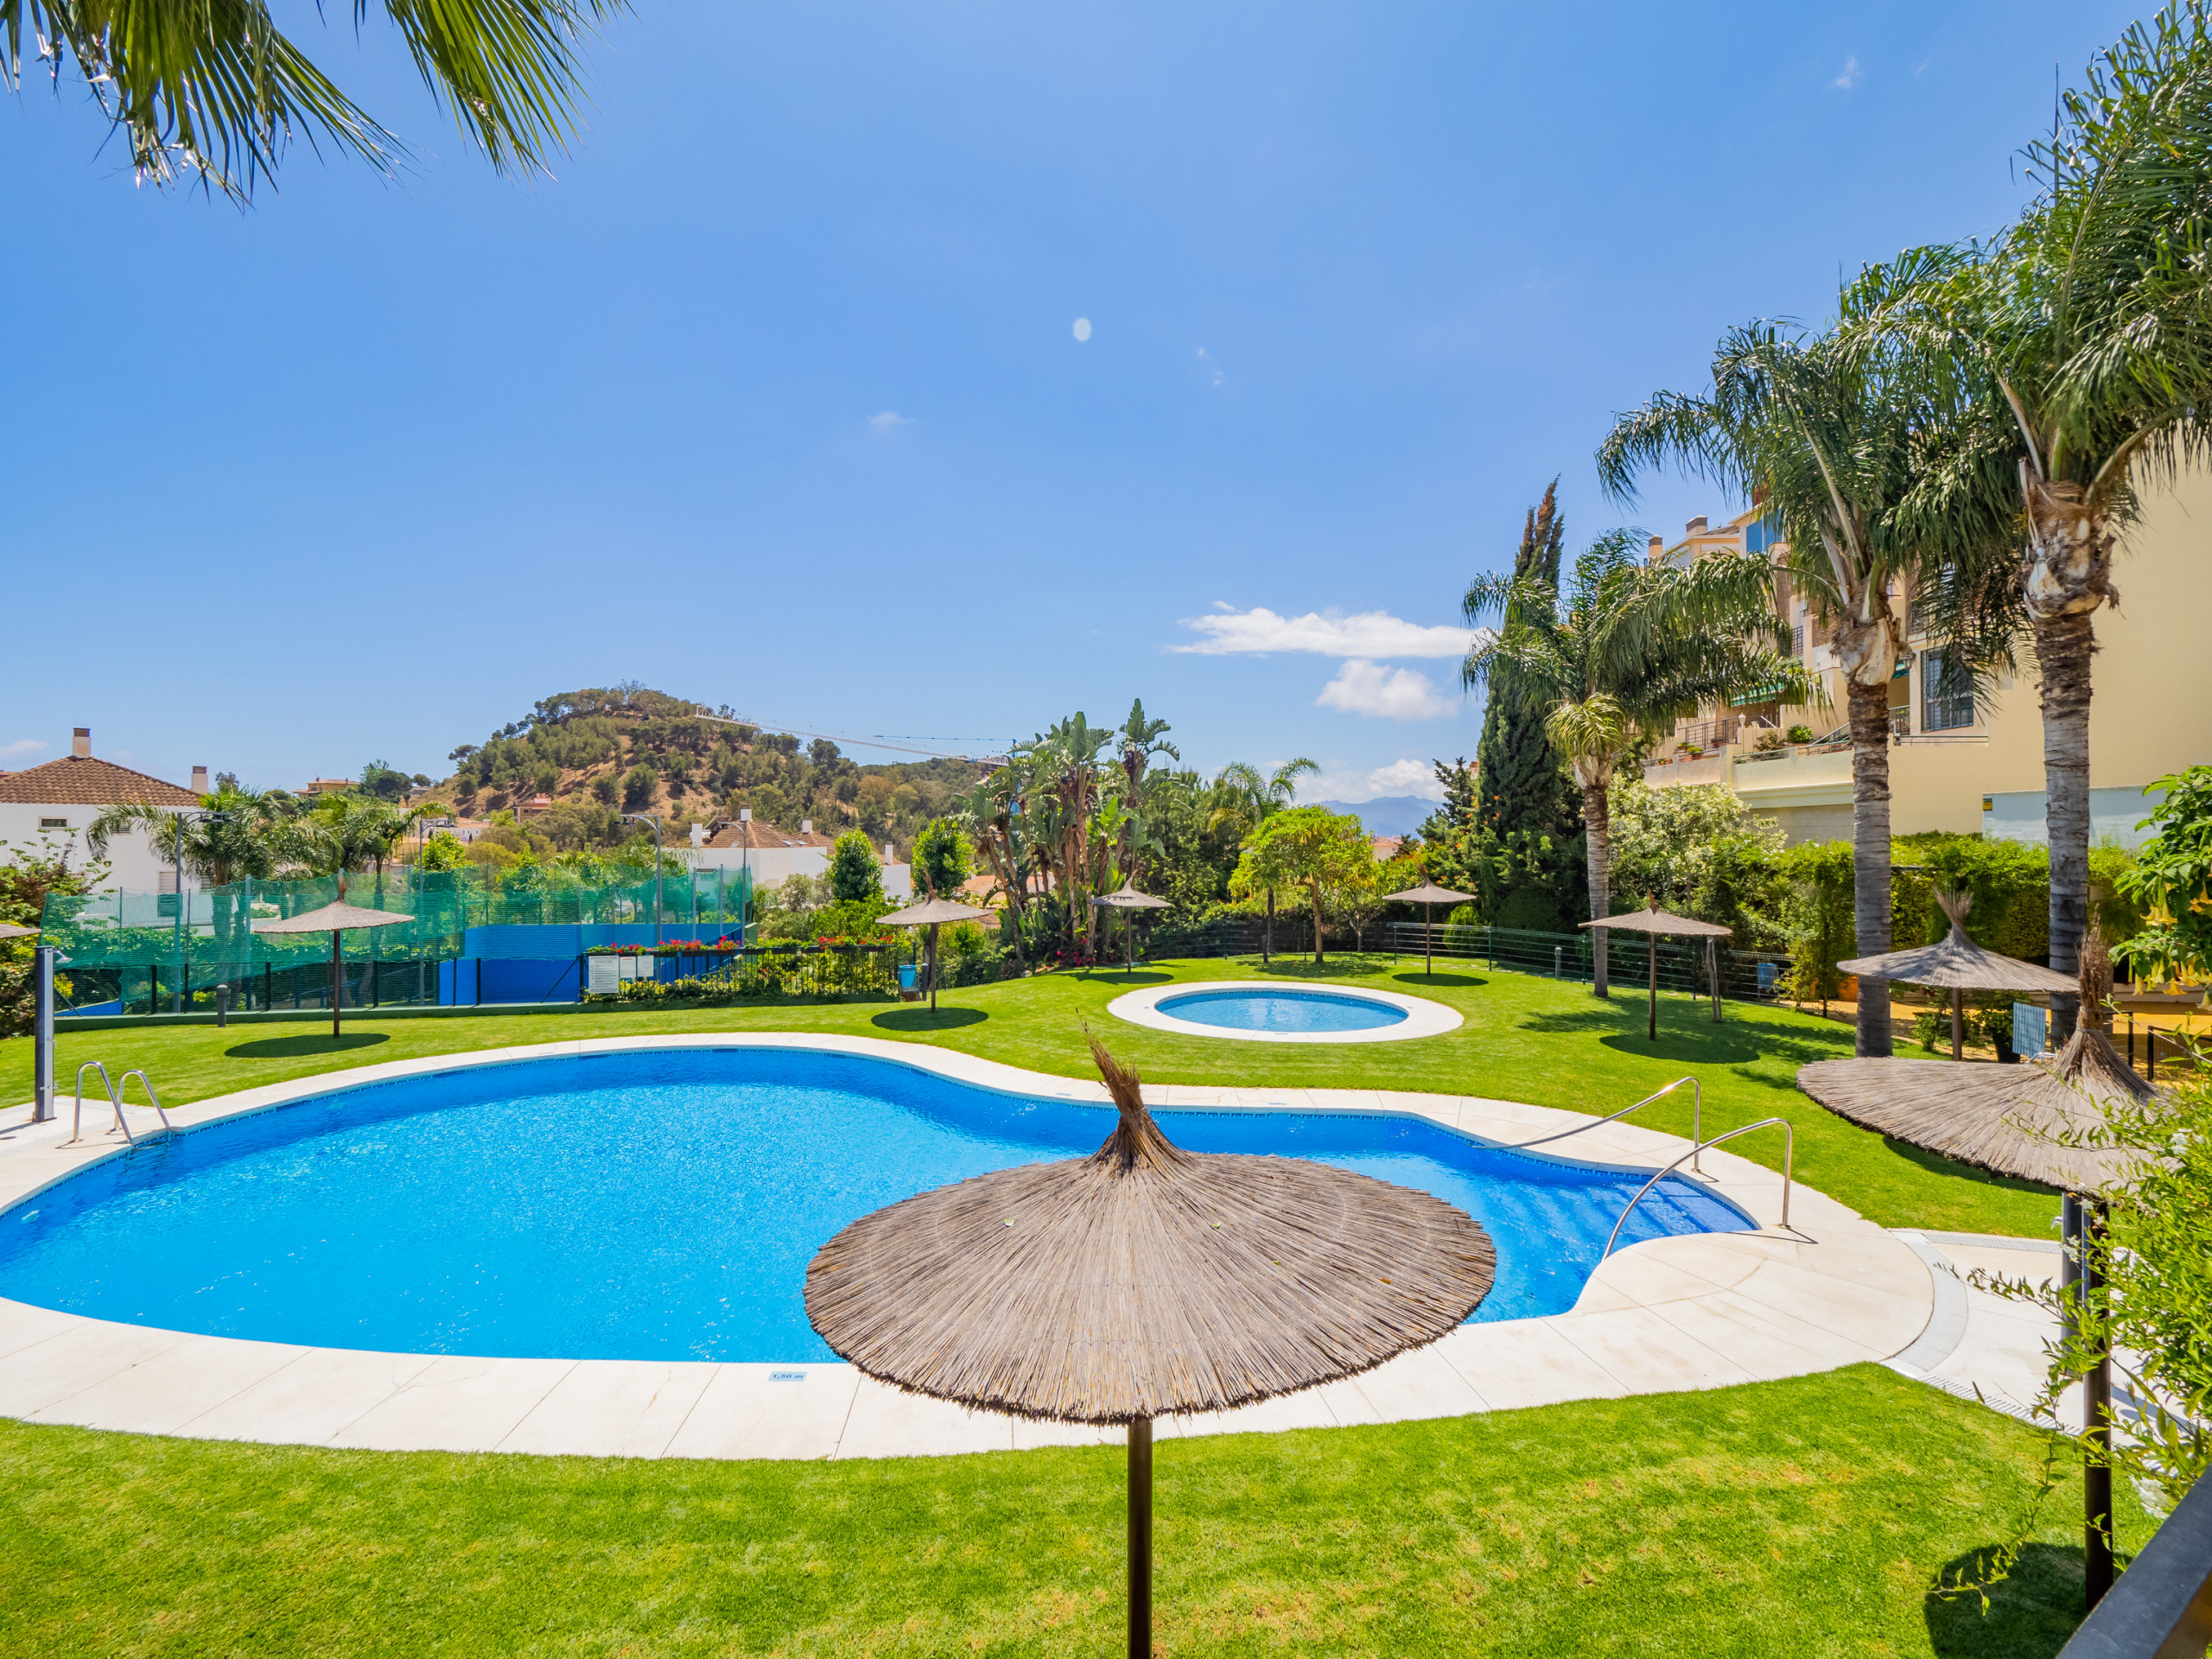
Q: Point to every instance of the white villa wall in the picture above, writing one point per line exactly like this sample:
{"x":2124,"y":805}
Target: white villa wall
{"x":136,"y":868}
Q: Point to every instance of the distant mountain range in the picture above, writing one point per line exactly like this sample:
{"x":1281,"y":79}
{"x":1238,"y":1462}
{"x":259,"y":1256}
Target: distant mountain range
{"x":1390,"y":815}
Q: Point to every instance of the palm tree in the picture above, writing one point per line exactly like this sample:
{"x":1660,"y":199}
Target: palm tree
{"x":1830,"y":439}
{"x":1616,"y":658}
{"x":1139,"y":739}
{"x":235,"y":835}
{"x":214,"y":91}
{"x":2089,"y":323}
{"x":341,"y":833}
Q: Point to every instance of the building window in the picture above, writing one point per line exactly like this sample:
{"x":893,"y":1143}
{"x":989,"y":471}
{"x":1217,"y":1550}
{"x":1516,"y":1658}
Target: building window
{"x":52,"y":824}
{"x":1946,"y":691}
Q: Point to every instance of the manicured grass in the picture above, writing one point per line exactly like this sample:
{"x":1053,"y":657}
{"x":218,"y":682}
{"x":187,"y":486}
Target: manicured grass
{"x":1525,"y":1038}
{"x":1807,"y":1517}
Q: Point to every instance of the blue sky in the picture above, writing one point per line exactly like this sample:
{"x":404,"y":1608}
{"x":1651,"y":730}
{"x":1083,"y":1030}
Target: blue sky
{"x":775,"y":396}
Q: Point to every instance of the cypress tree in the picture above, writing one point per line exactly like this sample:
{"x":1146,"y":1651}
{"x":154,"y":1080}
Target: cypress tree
{"x":1523,"y":786}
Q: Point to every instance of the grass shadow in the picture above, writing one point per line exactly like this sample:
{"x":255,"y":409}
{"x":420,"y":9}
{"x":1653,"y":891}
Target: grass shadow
{"x":923,"y":1019}
{"x":1936,"y":1164}
{"x":287,"y":1048}
{"x":1723,"y":1047}
{"x":2031,"y":1613}
{"x":1113,"y":976}
{"x":1465,"y":981}
{"x":1345,"y":965}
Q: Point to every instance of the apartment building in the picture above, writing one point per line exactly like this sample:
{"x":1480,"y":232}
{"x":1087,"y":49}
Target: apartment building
{"x":1964,"y":760}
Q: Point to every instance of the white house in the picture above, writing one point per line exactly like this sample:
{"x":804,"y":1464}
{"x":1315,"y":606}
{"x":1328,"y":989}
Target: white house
{"x":772,"y":856}
{"x":55,"y":804}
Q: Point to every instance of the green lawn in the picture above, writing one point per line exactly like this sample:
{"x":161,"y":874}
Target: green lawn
{"x":1525,"y":1038}
{"x":1805,"y":1518}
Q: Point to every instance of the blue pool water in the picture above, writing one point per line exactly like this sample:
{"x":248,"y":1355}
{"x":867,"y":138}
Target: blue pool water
{"x":660,"y":1205}
{"x":1269,"y":1010}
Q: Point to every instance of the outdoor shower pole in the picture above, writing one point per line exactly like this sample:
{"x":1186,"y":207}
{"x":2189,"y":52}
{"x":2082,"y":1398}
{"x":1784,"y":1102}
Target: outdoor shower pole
{"x":43,"y":1040}
{"x":1140,"y":1538}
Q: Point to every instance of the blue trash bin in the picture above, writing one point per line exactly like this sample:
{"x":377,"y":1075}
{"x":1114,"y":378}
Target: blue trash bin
{"x":909,"y":975}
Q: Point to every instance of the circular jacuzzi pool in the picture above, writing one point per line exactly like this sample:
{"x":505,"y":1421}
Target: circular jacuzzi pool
{"x":664,"y":1204}
{"x":1269,"y":1010}
{"x":1264,"y":1011}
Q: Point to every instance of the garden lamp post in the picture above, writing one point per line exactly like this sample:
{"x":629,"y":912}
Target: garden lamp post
{"x":646,"y":817}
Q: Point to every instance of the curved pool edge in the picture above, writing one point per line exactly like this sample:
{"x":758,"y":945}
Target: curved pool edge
{"x":1425,"y":1017}
{"x":1690,"y":1311}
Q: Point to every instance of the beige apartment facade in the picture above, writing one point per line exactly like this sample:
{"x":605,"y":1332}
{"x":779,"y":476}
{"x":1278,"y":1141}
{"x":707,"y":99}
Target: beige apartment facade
{"x":1968,"y":760}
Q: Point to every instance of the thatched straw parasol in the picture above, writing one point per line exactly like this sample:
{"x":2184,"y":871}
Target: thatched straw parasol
{"x":1427,"y":894}
{"x":1141,"y":1281}
{"x":932,"y":913}
{"x":335,"y":918}
{"x":1126,"y":899}
{"x":2039,"y":1121}
{"x":1652,"y":922}
{"x":1958,"y":964}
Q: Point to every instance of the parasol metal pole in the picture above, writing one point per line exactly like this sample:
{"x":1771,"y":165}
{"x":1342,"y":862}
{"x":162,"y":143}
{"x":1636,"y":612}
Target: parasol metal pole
{"x":2077,"y":1282}
{"x":1428,"y":938}
{"x":1958,"y":1026}
{"x":933,"y":967}
{"x":1712,"y":973}
{"x":1140,"y":1538}
{"x":1654,"y":939}
{"x":337,"y":984}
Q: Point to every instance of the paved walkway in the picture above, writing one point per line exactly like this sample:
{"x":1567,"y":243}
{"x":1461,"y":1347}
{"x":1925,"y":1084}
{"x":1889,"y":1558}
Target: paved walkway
{"x":1701,"y":1311}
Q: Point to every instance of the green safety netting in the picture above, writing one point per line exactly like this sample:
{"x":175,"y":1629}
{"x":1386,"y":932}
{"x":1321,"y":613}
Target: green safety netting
{"x":213,"y":925}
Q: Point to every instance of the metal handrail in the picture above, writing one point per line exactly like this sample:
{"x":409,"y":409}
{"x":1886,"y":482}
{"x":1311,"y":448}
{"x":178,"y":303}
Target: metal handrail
{"x":1697,"y":1119}
{"x":122,"y":1088}
{"x":77,"y":1119}
{"x":1788,"y":1160}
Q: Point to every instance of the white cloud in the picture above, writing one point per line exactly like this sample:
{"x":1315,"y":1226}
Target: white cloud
{"x":22,"y":748}
{"x":890,"y":421}
{"x":1081,"y":329}
{"x":1399,"y":777}
{"x":1324,"y":633}
{"x":1850,"y":76}
{"x":1365,"y":688}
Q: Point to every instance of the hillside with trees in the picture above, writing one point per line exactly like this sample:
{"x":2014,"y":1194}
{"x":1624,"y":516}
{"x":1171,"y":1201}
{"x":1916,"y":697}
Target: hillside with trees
{"x":600,"y":752}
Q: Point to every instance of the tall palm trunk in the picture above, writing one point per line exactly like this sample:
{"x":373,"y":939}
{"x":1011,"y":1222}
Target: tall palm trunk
{"x":2064,"y":646}
{"x":1597,"y":818}
{"x":1870,"y":854}
{"x":2068,"y":574}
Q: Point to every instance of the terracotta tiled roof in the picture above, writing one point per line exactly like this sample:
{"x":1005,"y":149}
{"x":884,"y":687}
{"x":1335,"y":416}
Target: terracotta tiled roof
{"x":83,"y":780}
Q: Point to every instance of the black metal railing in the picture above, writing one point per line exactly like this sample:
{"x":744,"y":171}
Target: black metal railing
{"x":1745,"y":975}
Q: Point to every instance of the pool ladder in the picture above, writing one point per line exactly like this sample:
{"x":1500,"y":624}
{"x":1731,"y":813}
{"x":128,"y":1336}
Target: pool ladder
{"x":1698,"y":1144}
{"x":115,"y":1093}
{"x":1697,"y":1120}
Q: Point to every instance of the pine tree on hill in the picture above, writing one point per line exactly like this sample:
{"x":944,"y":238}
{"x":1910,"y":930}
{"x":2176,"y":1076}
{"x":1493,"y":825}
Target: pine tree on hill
{"x":1523,"y":786}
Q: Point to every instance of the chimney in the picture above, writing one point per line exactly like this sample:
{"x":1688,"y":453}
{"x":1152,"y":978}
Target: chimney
{"x":744,"y":815}
{"x":1695,"y":527}
{"x":806,"y":826}
{"x":82,"y":745}
{"x":889,"y":856}
{"x":1658,"y":551}
{"x":199,"y":780}
{"x":698,"y":834}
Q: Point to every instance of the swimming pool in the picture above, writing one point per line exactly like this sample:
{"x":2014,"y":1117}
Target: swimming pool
{"x":662,"y":1204}
{"x":1268,"y":1009}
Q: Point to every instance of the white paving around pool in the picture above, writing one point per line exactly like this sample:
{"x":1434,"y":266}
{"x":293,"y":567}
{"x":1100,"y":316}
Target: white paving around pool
{"x":1697,"y":1311}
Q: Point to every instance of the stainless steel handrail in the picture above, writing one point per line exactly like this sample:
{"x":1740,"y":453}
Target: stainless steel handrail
{"x":1697,"y":1119}
{"x":77,"y":1119}
{"x":122,"y":1088}
{"x":1788,"y":1160}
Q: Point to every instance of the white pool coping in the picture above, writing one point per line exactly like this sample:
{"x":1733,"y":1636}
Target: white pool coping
{"x":1696,"y":1312}
{"x":1424,"y":1018}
